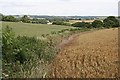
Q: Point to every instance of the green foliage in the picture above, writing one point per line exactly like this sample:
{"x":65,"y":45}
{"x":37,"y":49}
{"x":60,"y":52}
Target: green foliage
{"x":82,"y":24}
{"x":88,"y":25}
{"x":8,"y":40}
{"x":61,"y":23}
{"x":1,"y":17}
{"x":25,"y":19}
{"x":39,"y":21}
{"x":53,"y":32}
{"x":97,"y":24}
{"x":111,"y":21}
{"x":58,"y":22}
{"x":23,"y":48}
{"x":77,"y":24}
{"x":9,"y":18}
{"x":19,"y":50}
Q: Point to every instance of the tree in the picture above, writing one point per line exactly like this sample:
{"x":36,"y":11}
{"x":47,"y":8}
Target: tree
{"x":82,"y":24}
{"x":39,"y":21}
{"x":111,"y":21}
{"x":88,"y":25}
{"x":1,"y":17}
{"x":25,"y":19}
{"x":97,"y":24}
{"x":79,"y":24}
{"x":9,"y":18}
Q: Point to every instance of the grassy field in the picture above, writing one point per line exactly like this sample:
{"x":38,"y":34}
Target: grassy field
{"x":29,"y":29}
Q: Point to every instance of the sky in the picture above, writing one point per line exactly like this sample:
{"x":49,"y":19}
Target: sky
{"x":60,"y":7}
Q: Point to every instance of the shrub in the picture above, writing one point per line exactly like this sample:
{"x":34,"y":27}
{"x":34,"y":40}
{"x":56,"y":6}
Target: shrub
{"x":82,"y":24}
{"x":8,"y":41}
{"x":9,"y":18}
{"x":97,"y":24}
{"x":77,"y":24}
{"x":25,"y":19}
{"x":53,"y":32}
{"x":61,"y":23}
{"x":58,"y":23}
{"x":39,"y":21}
{"x":21,"y":50}
{"x":111,"y":21}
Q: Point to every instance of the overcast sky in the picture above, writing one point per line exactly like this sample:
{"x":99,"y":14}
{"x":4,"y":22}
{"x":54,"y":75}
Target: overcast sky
{"x":60,"y":7}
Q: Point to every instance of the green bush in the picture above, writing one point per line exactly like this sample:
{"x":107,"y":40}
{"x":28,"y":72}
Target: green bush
{"x":39,"y":21}
{"x":97,"y":24}
{"x":53,"y":32}
{"x":61,"y":23}
{"x":25,"y":19}
{"x":111,"y":21}
{"x":9,"y":18}
{"x":58,"y":23}
{"x":21,"y":50}
{"x":82,"y":24}
{"x":8,"y":40}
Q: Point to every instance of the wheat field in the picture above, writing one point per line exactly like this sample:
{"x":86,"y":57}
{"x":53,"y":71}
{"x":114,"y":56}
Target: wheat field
{"x":90,"y":55}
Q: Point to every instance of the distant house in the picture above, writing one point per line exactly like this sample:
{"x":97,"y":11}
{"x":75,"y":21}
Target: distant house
{"x":49,"y":23}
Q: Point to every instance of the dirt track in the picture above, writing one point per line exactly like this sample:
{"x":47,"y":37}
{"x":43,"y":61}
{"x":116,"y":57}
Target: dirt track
{"x":90,"y":55}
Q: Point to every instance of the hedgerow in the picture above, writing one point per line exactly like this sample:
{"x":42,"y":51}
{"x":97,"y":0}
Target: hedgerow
{"x":17,"y":51}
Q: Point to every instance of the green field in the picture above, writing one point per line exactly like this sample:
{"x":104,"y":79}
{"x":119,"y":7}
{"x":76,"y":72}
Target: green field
{"x":30,"y":29}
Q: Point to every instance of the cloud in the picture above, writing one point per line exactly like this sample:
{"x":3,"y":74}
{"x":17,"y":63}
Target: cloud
{"x":59,"y":7}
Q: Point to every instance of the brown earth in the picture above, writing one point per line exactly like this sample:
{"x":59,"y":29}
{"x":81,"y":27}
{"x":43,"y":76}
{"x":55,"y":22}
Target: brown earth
{"x":89,"y":55}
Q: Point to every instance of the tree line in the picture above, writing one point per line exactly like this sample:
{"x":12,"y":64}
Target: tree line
{"x":109,"y":22}
{"x":24,"y":19}
{"x":27,"y":19}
